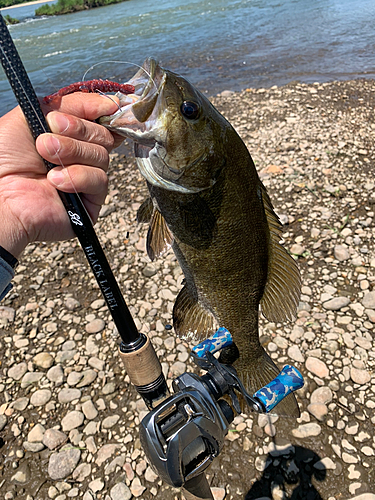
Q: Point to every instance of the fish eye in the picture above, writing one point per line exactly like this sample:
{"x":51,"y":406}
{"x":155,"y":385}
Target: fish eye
{"x":190,"y":110}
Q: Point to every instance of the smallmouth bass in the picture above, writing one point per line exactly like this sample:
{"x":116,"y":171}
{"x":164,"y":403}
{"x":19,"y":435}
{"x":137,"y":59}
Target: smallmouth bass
{"x":208,"y":203}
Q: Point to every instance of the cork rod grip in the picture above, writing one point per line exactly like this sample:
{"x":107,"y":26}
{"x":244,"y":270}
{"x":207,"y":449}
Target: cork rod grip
{"x":142,"y":366}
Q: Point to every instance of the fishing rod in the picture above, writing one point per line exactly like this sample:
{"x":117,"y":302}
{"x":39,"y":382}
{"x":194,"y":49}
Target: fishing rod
{"x":136,"y":350}
{"x":184,"y":432}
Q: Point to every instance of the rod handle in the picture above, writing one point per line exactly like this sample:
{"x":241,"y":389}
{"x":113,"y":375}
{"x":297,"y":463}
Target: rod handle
{"x":287,"y":381}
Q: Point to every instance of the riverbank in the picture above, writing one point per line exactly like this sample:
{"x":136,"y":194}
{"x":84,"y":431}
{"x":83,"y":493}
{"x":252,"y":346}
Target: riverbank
{"x":68,"y":416}
{"x":33,"y":2}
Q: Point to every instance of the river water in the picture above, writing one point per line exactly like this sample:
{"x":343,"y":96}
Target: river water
{"x":216,"y":44}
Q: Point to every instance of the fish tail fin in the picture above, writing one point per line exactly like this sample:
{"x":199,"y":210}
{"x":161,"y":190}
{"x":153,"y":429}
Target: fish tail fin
{"x":259,"y":373}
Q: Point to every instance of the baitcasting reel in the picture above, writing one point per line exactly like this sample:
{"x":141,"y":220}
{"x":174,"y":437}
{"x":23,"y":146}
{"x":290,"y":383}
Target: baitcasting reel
{"x":183,"y":435}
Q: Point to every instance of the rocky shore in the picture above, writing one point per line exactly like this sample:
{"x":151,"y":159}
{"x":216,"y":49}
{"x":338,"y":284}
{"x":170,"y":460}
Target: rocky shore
{"x":68,"y":416}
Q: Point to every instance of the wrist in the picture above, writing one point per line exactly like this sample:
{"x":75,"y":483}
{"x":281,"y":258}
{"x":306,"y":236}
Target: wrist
{"x":12,"y":239}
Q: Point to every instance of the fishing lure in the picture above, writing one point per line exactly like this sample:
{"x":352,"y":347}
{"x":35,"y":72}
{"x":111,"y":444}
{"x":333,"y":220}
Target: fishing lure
{"x":90,"y":86}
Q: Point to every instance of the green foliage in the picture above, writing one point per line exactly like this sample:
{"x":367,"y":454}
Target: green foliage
{"x":10,"y":20}
{"x":67,"y":6}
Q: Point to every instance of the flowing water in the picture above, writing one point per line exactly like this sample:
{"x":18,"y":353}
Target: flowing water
{"x":216,"y":44}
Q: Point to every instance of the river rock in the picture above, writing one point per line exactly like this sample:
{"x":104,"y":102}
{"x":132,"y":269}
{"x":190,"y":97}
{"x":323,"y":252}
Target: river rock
{"x":307,"y":430}
{"x":360,"y":376}
{"x":321,"y":395}
{"x":36,"y":434}
{"x":368,"y":300}
{"x":120,"y":492}
{"x":62,"y":464}
{"x":43,"y":360}
{"x":53,"y":438}
{"x":40,"y":397}
{"x":336,"y":304}
{"x":72,"y":420}
{"x":317,"y":367}
{"x":16,"y":372}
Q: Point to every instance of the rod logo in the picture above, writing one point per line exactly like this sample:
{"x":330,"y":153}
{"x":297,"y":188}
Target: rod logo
{"x":75,"y":218}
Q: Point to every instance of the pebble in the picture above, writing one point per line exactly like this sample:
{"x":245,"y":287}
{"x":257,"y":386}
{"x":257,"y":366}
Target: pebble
{"x":360,"y":376}
{"x":325,"y":463}
{"x":341,"y":253}
{"x":43,"y":360}
{"x":40,"y":397}
{"x":336,"y":304}
{"x":16,"y":372}
{"x":3,"y":422}
{"x":53,"y":438}
{"x":307,"y":430}
{"x":136,"y":487}
{"x":318,"y":410}
{"x":56,"y":375}
{"x":294,"y":353}
{"x":68,"y":395}
{"x":317,"y":367}
{"x":322,"y":395}
{"x":368,"y":300}
{"x":110,"y":421}
{"x":95,"y":326}
{"x":62,"y":464}
{"x":72,"y":420}
{"x":120,"y":492}
{"x":89,"y":410}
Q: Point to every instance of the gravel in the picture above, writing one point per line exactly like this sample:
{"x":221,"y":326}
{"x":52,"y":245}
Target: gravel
{"x":68,"y":415}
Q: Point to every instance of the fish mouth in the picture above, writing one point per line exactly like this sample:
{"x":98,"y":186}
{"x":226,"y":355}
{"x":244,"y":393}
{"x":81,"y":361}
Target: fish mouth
{"x":141,"y":118}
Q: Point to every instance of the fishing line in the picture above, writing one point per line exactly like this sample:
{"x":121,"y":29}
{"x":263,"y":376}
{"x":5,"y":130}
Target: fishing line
{"x":120,"y":62}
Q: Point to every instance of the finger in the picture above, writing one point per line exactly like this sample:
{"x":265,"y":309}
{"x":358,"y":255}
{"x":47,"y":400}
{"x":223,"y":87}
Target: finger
{"x":77,"y":128}
{"x":66,"y":151}
{"x":87,"y":106}
{"x":90,"y":181}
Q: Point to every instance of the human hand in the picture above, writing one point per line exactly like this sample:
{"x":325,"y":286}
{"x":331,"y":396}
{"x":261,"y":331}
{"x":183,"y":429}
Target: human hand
{"x":30,"y":207}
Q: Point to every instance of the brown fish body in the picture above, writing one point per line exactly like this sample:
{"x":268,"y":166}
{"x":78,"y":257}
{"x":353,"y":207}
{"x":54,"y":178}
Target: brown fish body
{"x":210,"y":205}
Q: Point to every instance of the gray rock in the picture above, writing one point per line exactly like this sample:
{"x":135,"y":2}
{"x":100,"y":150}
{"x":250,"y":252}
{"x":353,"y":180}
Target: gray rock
{"x":33,"y":447}
{"x":72,"y":420}
{"x":89,"y":410}
{"x":368,"y":300}
{"x":325,"y":464}
{"x":360,"y":376}
{"x":64,"y":356}
{"x":53,"y":438}
{"x":321,"y":395}
{"x":88,"y":378}
{"x":71,"y":304}
{"x":68,"y":395}
{"x":317,"y":367}
{"x":81,"y":472}
{"x":62,"y":464}
{"x":91,"y":346}
{"x":120,"y":492}
{"x":95,"y":326}
{"x":3,"y":422}
{"x":56,"y":375}
{"x":40,"y":397}
{"x":110,"y":421}
{"x":43,"y":360}
{"x":96,"y":363}
{"x":74,"y":378}
{"x":307,"y":430}
{"x":294,"y":352}
{"x":341,"y":253}
{"x":109,"y":388}
{"x":96,"y":485}
{"x":36,"y":434}
{"x":105,"y":452}
{"x":336,"y":304}
{"x":16,"y":372}
{"x":20,"y":404}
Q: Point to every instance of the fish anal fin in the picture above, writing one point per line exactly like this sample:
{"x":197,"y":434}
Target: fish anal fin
{"x":257,"y":373}
{"x":145,"y":211}
{"x":191,"y":320}
{"x":159,"y":236}
{"x":283,"y":288}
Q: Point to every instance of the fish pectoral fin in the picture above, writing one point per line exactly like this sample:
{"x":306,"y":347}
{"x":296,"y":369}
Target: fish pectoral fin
{"x":145,"y":211}
{"x":258,"y":373}
{"x":283,"y":288}
{"x":191,"y":320}
{"x":159,"y":236}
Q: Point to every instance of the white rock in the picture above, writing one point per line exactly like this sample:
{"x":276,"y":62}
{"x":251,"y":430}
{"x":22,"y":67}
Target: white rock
{"x":307,"y":430}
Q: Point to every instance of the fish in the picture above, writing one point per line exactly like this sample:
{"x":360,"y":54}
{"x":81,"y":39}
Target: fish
{"x":208,"y":203}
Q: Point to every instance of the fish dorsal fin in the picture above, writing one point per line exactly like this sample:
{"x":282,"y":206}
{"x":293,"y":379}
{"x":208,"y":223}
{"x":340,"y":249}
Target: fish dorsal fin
{"x":159,"y":237}
{"x":191,"y":320}
{"x":145,"y":211}
{"x":283,"y":288}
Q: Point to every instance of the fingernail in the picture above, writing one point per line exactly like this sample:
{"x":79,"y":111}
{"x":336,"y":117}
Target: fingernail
{"x":57,"y":177}
{"x":52,"y":144}
{"x":58,"y":122}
